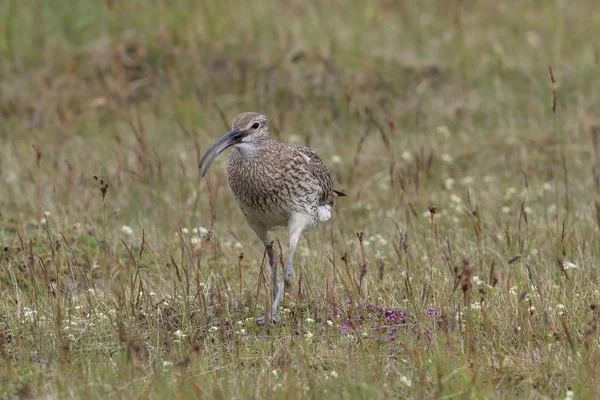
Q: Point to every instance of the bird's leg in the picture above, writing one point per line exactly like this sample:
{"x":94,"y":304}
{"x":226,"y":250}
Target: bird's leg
{"x":263,"y":234}
{"x":273,"y":263}
{"x":296,"y":225}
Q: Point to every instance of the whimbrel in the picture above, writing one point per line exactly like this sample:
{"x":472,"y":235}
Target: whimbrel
{"x":275,"y":185}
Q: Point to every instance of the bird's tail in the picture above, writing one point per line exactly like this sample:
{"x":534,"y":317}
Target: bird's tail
{"x":340,"y":194}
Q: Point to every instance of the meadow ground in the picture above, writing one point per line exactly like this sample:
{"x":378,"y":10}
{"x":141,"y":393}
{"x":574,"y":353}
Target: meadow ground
{"x":125,"y":275}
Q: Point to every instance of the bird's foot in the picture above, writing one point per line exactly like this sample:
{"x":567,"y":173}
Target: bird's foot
{"x":261,"y":321}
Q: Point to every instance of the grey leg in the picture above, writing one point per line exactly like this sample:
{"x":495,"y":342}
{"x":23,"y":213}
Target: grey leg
{"x":298,"y":222}
{"x":273,"y":263}
{"x":263,"y":234}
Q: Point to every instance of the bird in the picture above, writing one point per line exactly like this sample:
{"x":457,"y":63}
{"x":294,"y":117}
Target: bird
{"x":276,"y":185}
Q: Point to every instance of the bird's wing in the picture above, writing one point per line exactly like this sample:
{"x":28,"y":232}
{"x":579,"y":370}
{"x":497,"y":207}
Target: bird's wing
{"x":319,"y":172}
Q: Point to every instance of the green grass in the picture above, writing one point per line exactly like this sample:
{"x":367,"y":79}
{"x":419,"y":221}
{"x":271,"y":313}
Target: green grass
{"x":410,"y":104}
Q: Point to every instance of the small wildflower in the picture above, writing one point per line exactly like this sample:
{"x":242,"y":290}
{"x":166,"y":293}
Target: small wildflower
{"x":449,"y":183}
{"x":455,"y":198}
{"x":505,"y":210}
{"x":569,"y":395}
{"x":336,"y":159}
{"x":510,"y":192}
{"x":213,"y":328}
{"x":405,"y":381}
{"x":334,"y":374}
{"x":167,"y":364}
{"x":200,"y":230}
{"x":179,"y":334}
{"x":308,"y":335}
{"x":274,"y":372}
{"x":447,"y":158}
{"x":329,"y":322}
{"x":570,"y":265}
{"x":309,"y":320}
{"x":126,"y":229}
{"x":407,"y":156}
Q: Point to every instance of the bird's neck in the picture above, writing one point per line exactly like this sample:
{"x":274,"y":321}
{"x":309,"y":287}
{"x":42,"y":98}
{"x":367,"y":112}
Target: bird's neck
{"x":250,"y":150}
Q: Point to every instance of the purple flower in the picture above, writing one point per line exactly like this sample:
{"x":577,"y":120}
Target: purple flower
{"x":432,"y":312}
{"x":345,"y":328}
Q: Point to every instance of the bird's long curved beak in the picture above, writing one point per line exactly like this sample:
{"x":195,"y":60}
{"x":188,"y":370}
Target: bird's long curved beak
{"x":233,"y":137}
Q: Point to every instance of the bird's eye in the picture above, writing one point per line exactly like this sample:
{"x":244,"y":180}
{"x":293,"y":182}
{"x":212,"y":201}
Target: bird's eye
{"x":255,"y":125}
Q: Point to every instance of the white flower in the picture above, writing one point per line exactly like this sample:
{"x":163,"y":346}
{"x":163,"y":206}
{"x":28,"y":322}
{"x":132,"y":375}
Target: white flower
{"x":333,"y":374}
{"x":178,"y":334}
{"x":274,"y":372}
{"x":336,"y":159}
{"x":200,"y":230}
{"x":570,"y":265}
{"x":195,"y":240}
{"x":167,"y":364}
{"x":447,"y":158}
{"x":477,"y":281}
{"x":475,"y":306}
{"x":309,"y":320}
{"x":126,"y":229}
{"x":455,"y":198}
{"x":448,"y":183}
{"x":569,"y":395}
{"x":406,"y":156}
{"x":185,"y":230}
{"x":547,"y":186}
{"x":213,"y":328}
{"x":329,"y":322}
{"x":505,"y":210}
{"x":308,"y":335}
{"x":405,"y":381}
{"x":510,"y":192}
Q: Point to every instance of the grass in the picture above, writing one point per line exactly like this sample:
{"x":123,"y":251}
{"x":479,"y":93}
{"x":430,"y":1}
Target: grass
{"x":126,"y":275}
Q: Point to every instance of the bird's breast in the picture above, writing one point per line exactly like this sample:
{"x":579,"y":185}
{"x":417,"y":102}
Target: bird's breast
{"x":260,"y":191}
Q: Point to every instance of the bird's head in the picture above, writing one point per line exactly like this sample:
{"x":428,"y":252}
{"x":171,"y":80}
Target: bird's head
{"x":248,"y":130}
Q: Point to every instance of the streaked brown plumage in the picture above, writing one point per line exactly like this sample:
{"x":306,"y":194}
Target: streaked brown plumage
{"x":275,"y":185}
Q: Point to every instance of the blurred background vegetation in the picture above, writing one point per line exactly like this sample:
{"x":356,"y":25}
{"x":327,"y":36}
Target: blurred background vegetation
{"x":107,"y":106}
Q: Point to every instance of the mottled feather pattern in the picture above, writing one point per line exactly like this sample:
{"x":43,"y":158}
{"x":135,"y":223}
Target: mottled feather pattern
{"x":277,"y":180}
